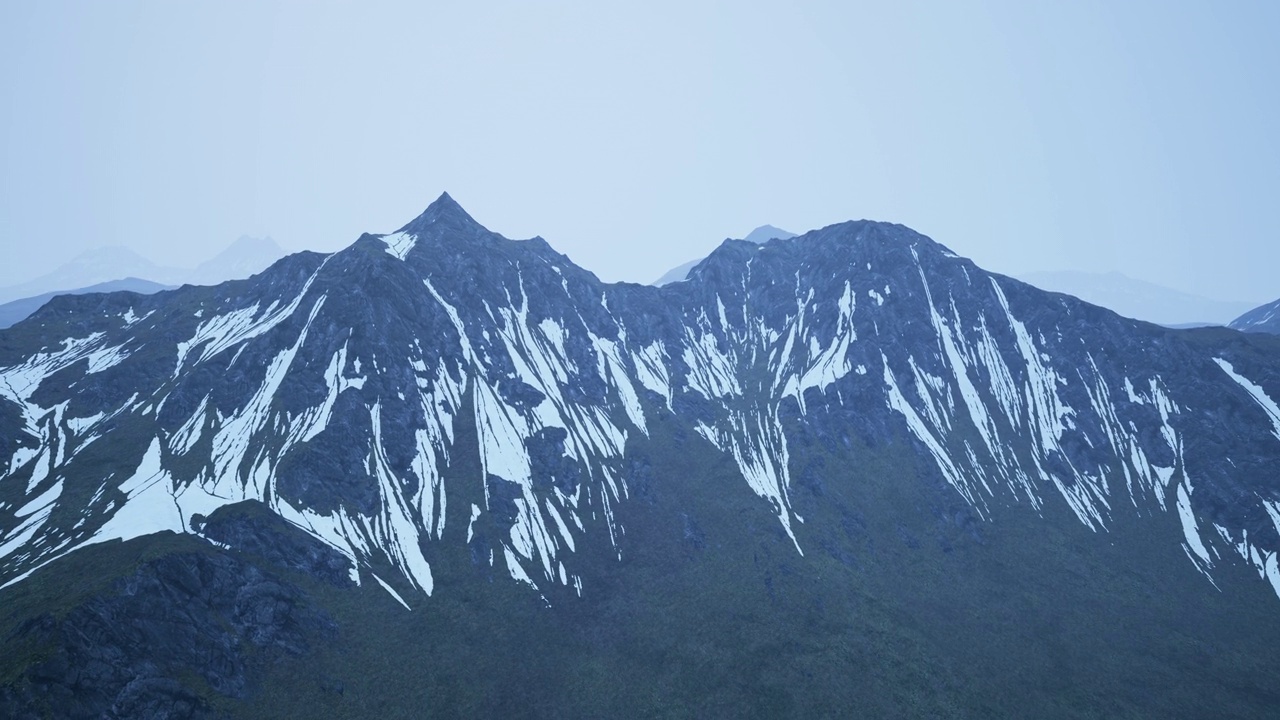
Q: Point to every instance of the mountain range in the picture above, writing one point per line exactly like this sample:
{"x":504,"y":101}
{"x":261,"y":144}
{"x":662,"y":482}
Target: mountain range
{"x":1115,"y":291}
{"x":15,"y":310}
{"x":242,"y":258}
{"x":445,"y":473}
{"x":1139,"y":299}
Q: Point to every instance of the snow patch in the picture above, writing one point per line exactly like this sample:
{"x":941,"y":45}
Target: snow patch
{"x":1259,"y":395}
{"x":398,"y":246}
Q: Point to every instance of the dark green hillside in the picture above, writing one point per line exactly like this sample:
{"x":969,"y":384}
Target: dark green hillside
{"x":902,"y":606}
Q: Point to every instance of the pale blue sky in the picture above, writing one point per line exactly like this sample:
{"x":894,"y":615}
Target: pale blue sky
{"x":1131,"y":136}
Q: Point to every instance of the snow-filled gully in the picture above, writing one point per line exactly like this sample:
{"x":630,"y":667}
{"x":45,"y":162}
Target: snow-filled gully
{"x":986,"y":380}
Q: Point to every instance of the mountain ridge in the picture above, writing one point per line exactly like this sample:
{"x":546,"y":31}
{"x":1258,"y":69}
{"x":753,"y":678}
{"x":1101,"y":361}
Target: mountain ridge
{"x":433,"y":240}
{"x":15,"y":310}
{"x":1265,"y":319}
{"x":760,"y":235}
{"x":442,"y":405}
{"x":1138,"y":299}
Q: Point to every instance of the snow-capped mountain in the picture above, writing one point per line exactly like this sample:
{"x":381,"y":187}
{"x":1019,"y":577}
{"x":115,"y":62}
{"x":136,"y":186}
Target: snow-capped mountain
{"x":1139,"y":299}
{"x":760,"y":236}
{"x":442,"y":397}
{"x":1265,"y":318}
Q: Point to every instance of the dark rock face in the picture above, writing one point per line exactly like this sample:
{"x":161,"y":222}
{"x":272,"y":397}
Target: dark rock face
{"x":123,"y":653}
{"x":549,"y":464}
{"x":253,"y":529}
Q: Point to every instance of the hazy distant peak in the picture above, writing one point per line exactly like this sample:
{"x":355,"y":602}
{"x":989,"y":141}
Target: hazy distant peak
{"x":676,"y":274}
{"x":246,"y":242}
{"x":91,"y":267}
{"x":765,"y":233}
{"x":1138,"y":298}
{"x":245,"y":257}
{"x":109,"y":253}
{"x":759,"y":236}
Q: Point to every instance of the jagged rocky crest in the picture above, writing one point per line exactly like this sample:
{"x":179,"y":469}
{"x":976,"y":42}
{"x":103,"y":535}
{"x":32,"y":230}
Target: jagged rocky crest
{"x":341,"y":392}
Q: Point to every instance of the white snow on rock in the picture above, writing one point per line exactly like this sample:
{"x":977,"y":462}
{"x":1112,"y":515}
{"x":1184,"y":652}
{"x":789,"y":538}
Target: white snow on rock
{"x":399,"y":244}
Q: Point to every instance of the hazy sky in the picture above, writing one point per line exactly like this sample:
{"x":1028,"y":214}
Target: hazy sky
{"x":1131,"y":136}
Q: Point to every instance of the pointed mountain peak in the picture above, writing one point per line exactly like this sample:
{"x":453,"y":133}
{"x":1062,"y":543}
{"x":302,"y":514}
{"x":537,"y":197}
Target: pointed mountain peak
{"x":445,"y":210}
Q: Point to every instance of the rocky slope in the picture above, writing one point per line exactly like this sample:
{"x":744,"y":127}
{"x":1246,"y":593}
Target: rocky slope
{"x":1265,"y":319}
{"x":442,"y":403}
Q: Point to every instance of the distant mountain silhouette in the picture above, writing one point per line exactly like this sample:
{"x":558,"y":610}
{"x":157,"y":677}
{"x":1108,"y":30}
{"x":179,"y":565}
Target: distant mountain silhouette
{"x":17,"y":310}
{"x":244,"y":257}
{"x":759,"y":236}
{"x":1139,"y":299}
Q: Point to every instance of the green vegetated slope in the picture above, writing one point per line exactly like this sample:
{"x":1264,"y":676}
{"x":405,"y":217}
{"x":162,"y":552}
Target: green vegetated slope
{"x":904,"y":604}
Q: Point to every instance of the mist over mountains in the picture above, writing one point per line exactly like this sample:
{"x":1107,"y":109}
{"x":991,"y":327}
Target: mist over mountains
{"x":241,"y":259}
{"x":1139,"y":299}
{"x":442,"y":472}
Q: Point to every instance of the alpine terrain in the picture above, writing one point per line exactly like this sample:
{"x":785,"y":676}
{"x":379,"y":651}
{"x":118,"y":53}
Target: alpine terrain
{"x":444,"y":473}
{"x":1265,"y":318}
